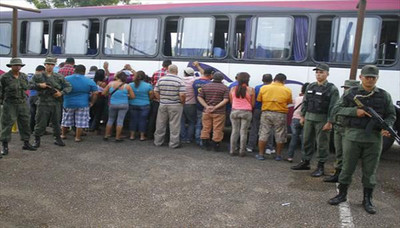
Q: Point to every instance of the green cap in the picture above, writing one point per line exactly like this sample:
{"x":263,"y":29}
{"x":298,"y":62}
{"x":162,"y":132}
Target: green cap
{"x":322,"y":66}
{"x":50,"y":60}
{"x":15,"y":62}
{"x":370,"y":70}
{"x":350,"y":83}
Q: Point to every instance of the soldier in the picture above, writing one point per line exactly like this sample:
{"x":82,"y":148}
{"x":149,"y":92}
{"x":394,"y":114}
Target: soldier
{"x":50,"y":86}
{"x":363,"y":137}
{"x":338,"y":135}
{"x":13,"y":86}
{"x":316,"y":116}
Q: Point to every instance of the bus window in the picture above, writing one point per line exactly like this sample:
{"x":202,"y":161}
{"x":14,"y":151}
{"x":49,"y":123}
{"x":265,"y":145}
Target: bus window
{"x":170,"y":36}
{"x":76,"y":37}
{"x":5,"y":38}
{"x":323,"y":38}
{"x":243,"y":26}
{"x":34,"y":37}
{"x":271,"y":37}
{"x":220,"y":42}
{"x":144,"y":34}
{"x":344,"y":29}
{"x":93,"y":39}
{"x":117,"y":37}
{"x":300,"y":38}
{"x":195,"y":36}
{"x":388,"y":44}
{"x":58,"y":38}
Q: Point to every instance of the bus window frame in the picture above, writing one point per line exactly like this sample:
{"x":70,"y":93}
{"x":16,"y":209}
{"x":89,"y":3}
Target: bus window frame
{"x":10,"y":23}
{"x":103,"y":35}
{"x":179,"y":19}
{"x":63,"y":37}
{"x":397,"y":56}
{"x":49,"y":22}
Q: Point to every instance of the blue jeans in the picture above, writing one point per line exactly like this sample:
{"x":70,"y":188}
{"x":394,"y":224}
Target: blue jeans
{"x":117,"y":112}
{"x":138,"y":117}
{"x":297,"y":132}
{"x":199,"y":126}
{"x":188,"y":116}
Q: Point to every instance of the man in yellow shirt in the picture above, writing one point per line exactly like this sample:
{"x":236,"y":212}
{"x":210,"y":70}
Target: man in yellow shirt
{"x":274,"y":98}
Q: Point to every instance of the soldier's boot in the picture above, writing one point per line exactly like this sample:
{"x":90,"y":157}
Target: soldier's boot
{"x":28,"y":146}
{"x":367,"y":202}
{"x":4,"y":150}
{"x":58,"y":141}
{"x":319,"y":171}
{"x":303,"y":165}
{"x":334,"y":178}
{"x":36,"y":142}
{"x":205,"y":144}
{"x":341,"y":197}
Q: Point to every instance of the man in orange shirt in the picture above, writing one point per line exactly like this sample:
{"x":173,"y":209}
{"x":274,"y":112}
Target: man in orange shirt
{"x":274,"y":98}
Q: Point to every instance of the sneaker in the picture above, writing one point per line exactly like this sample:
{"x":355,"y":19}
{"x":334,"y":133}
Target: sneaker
{"x":278,"y":158}
{"x":273,"y":151}
{"x":268,"y":151}
{"x":249,"y":150}
{"x":260,"y":157}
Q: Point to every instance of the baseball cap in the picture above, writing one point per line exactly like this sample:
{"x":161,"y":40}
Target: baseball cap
{"x":189,"y":71}
{"x":322,"y":66}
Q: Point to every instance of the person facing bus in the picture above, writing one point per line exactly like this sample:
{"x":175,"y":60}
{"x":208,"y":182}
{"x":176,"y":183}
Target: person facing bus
{"x":76,"y":103}
{"x":13,"y":86}
{"x":68,"y":67}
{"x":275,"y":98}
{"x":189,"y":109}
{"x":51,"y":87}
{"x":242,"y":98}
{"x":363,"y":137}
{"x":316,"y":115}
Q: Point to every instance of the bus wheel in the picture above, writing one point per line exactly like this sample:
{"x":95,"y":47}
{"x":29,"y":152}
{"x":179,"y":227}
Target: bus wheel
{"x":386,"y":143}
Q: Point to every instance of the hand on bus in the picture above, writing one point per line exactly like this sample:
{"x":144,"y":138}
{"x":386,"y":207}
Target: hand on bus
{"x":362,"y":113}
{"x":327,"y":126}
{"x":196,"y":63}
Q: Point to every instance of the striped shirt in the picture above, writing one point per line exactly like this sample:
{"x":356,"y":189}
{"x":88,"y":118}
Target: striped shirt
{"x":169,"y":87}
{"x":213,"y":93}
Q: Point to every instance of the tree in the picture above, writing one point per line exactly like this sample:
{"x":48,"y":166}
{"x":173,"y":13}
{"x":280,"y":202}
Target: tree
{"x":43,"y":4}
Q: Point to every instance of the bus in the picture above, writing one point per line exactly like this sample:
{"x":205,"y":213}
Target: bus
{"x":288,"y":37}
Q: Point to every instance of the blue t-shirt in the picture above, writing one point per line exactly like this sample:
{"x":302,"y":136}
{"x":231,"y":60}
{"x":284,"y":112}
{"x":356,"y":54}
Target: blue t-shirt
{"x":81,"y":89}
{"x":197,"y":84}
{"x":120,"y":96}
{"x":141,"y":94}
{"x":257,"y":90}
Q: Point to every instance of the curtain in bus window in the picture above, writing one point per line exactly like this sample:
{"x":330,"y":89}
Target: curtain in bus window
{"x":272,"y":38}
{"x":35,"y":37}
{"x":247,"y":54}
{"x":76,"y":37}
{"x":344,"y":35}
{"x":5,"y":38}
{"x":143,"y":36}
{"x":196,"y":37}
{"x":117,"y":35}
{"x":300,"y":38}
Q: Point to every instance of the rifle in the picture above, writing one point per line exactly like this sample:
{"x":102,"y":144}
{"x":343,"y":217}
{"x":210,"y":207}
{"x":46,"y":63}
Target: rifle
{"x":51,"y":90}
{"x":376,"y":117}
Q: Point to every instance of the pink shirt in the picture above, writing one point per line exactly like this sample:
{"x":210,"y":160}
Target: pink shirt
{"x":190,"y":98}
{"x":297,"y":101}
{"x":239,"y":103}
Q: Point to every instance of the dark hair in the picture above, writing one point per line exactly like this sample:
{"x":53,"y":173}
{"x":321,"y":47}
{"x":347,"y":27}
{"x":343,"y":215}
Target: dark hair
{"x":70,"y":60}
{"x":166,"y":63}
{"x":93,"y":68}
{"x":280,"y":77}
{"x":304,"y":87}
{"x":40,"y":68}
{"x":218,"y":77}
{"x":209,"y":71}
{"x":80,"y":69}
{"x":243,"y":81}
{"x":267,"y":78}
{"x":140,"y":76}
{"x":121,"y":76}
{"x":100,"y":75}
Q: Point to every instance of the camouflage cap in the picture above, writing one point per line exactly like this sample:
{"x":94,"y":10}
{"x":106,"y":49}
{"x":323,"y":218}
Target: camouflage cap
{"x":370,"y":70}
{"x":15,"y":62}
{"x":322,"y":66}
{"x":50,"y":60}
{"x":350,"y":83}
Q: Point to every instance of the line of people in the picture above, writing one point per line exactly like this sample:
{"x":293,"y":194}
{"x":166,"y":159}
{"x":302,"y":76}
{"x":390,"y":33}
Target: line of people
{"x":196,"y":109}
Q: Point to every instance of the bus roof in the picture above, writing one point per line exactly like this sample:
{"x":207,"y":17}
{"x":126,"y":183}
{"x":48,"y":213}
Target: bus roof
{"x":188,"y":8}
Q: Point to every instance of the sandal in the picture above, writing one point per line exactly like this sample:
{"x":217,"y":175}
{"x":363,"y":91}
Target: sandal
{"x":63,"y":137}
{"x":78,"y":140}
{"x":143,"y":139}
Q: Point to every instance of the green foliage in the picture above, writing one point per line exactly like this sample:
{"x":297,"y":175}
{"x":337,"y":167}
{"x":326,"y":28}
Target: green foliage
{"x":43,"y":4}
